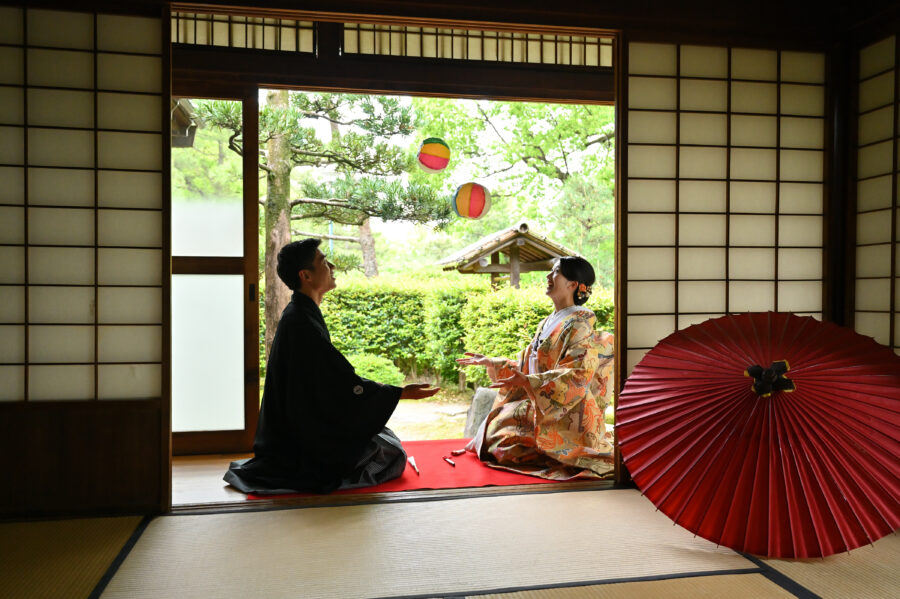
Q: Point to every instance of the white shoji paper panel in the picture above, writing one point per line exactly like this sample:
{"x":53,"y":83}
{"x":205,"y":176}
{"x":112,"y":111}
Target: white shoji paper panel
{"x":752,"y":230}
{"x":13,"y":347}
{"x":749,"y":130}
{"x":704,"y":95}
{"x":135,"y":228}
{"x":802,"y":100}
{"x":12,"y":304}
{"x":651,"y":161}
{"x":61,"y":68}
{"x":132,"y":112}
{"x":60,"y":29}
{"x":701,"y":229}
{"x":651,"y":93}
{"x":649,"y":297}
{"x":13,"y":189}
{"x":63,"y":265}
{"x":802,"y":133}
{"x":752,"y":196}
{"x":60,"y":382}
{"x":12,"y":66}
{"x":800,"y":230}
{"x":760,"y":98}
{"x":873,"y":227}
{"x":130,"y":267}
{"x":13,"y":387}
{"x":132,"y":305}
{"x":60,"y":226}
{"x":12,"y":225}
{"x":877,"y":125}
{"x":69,"y":305}
{"x":873,"y":294}
{"x":876,"y":57}
{"x":701,"y":196}
{"x":876,"y":92}
{"x":12,"y":106}
{"x":803,"y":67}
{"x":130,"y":343}
{"x":686,"y":320}
{"x":751,"y":296}
{"x":756,"y":164}
{"x":633,"y":358}
{"x":802,"y":165}
{"x":874,"y":324}
{"x":701,"y":296}
{"x":651,"y":229}
{"x":651,"y":127}
{"x":876,"y":159}
{"x":651,"y":263}
{"x":873,"y":261}
{"x":11,"y":145}
{"x":45,"y":108}
{"x":761,"y":65}
{"x":802,"y":198}
{"x":794,"y":263}
{"x":60,"y":147}
{"x":117,"y":33}
{"x":119,"y":189}
{"x":651,"y":196}
{"x":704,"y":61}
{"x":67,"y":344}
{"x":11,"y":25}
{"x":652,"y":59}
{"x":703,"y":129}
{"x":702,"y":163}
{"x":12,"y":265}
{"x":140,"y":151}
{"x":129,"y":73}
{"x":701,"y":263}
{"x":129,"y":381}
{"x":751,"y":263}
{"x":61,"y":187}
{"x":799,"y":296}
{"x":647,"y":331}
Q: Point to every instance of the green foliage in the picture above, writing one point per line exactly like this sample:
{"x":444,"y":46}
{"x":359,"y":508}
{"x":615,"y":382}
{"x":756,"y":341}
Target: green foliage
{"x":376,"y":368}
{"x":444,"y":330}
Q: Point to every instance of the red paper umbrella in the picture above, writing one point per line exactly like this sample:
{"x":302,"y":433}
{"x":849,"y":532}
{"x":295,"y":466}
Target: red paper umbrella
{"x":768,"y":433}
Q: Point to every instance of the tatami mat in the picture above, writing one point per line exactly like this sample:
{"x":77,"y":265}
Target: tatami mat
{"x":869,"y":572}
{"x":735,"y":586}
{"x":418,"y":548}
{"x":60,"y":558}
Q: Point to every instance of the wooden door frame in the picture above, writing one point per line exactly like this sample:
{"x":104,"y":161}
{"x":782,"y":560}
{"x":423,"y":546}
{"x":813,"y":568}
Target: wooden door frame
{"x":233,"y":441}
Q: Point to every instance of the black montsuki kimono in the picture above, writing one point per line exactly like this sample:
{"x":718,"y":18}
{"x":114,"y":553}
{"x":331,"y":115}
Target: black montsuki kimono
{"x":321,"y":427}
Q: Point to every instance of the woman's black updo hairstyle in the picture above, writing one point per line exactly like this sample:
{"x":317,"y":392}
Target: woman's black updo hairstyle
{"x":576,"y":268}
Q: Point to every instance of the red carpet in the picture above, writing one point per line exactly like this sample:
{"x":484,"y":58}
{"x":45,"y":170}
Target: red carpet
{"x":435,"y":473}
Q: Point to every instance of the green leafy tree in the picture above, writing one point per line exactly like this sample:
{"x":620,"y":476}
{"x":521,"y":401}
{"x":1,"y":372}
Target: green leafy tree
{"x":361,"y":170}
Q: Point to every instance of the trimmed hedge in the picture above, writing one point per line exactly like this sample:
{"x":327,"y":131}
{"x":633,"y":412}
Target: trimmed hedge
{"x":376,"y":368}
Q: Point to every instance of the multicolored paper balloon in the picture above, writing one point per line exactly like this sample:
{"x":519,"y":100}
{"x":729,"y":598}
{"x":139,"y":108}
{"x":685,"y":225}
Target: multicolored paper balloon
{"x":471,"y":200}
{"x":434,"y":155}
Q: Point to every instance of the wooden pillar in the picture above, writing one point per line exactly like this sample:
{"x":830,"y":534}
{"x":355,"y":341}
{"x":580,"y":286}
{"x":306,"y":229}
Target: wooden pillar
{"x":495,"y":276}
{"x":514,"y":266}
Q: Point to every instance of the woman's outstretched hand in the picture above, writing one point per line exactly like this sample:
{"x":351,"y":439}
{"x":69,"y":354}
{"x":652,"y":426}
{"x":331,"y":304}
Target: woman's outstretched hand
{"x":518,"y":379}
{"x":418,"y":391}
{"x":473,"y":360}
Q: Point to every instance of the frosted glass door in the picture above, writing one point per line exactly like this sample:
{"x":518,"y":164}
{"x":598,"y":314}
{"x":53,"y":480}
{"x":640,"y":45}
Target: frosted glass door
{"x":207,"y":353}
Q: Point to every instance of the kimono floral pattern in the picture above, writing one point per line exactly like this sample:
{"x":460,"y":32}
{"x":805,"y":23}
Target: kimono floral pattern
{"x":554,"y":427}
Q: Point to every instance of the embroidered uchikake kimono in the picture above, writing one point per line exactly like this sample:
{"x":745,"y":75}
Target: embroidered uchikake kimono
{"x":554,"y":429}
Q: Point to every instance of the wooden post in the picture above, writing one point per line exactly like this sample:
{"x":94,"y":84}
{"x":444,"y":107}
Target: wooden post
{"x":462,"y":380}
{"x":495,"y":276}
{"x":514,"y":266}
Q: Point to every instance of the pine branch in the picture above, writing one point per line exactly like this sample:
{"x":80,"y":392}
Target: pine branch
{"x":324,"y":236}
{"x":324,"y":202}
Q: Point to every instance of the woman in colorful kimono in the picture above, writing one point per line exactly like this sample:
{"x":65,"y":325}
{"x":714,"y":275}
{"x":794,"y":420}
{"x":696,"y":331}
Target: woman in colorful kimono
{"x":547,"y":419}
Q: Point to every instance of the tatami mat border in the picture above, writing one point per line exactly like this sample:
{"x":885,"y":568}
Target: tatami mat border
{"x":781,"y":579}
{"x":120,"y":558}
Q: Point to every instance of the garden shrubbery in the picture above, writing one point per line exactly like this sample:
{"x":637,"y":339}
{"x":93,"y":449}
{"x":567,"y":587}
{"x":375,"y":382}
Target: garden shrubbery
{"x":423,"y":326}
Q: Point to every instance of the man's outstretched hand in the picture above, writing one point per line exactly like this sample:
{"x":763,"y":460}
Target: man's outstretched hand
{"x":418,"y":391}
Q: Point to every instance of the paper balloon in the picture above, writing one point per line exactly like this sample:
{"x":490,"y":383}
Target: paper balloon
{"x":434,"y":155}
{"x":471,"y":200}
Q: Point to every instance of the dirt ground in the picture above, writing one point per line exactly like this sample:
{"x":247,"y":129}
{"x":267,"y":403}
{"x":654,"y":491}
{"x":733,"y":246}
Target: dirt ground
{"x":418,"y":420}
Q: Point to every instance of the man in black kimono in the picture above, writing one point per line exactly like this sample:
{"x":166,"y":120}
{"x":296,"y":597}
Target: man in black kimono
{"x":321,"y":426}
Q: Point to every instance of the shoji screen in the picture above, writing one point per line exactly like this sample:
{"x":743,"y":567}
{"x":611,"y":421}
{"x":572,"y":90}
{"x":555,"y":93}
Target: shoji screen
{"x":81,"y":222}
{"x":724,"y":186}
{"x":877,"y":297}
